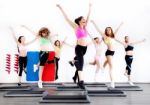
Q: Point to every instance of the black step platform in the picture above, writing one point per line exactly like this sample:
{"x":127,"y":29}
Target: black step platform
{"x":66,"y":97}
{"x":69,"y":87}
{"x":25,"y":93}
{"x":126,"y":88}
{"x":104,"y":92}
{"x":9,"y":88}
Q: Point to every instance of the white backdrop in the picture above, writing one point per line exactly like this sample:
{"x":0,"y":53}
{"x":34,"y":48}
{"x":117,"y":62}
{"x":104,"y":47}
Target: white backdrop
{"x":38,"y":13}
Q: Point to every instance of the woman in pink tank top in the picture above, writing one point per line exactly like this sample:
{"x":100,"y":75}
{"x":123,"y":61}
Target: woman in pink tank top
{"x":79,"y":26}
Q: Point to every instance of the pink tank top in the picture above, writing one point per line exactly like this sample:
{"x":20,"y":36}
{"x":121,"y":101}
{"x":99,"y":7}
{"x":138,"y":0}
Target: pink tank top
{"x":81,"y":33}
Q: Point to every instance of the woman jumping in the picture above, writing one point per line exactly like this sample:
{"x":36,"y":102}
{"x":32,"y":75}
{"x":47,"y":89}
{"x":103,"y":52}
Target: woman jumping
{"x":81,"y":33}
{"x":108,"y":38}
{"x":21,"y":44}
{"x":129,"y":46}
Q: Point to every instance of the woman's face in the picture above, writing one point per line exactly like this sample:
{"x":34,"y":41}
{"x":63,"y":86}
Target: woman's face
{"x":109,"y":31}
{"x":22,"y":39}
{"x":97,"y":40}
{"x":82,"y":22}
{"x":126,"y":39}
{"x":44,"y":34}
{"x":57,"y":43}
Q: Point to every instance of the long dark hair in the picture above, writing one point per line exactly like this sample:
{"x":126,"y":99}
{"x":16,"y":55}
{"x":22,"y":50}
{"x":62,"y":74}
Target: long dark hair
{"x":19,"y":40}
{"x":112,"y":33}
{"x":77,"y":20}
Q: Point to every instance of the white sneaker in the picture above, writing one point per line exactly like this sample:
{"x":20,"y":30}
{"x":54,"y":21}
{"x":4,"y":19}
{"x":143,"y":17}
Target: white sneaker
{"x":131,"y":83}
{"x":35,"y":68}
{"x":40,"y":84}
{"x":112,"y":84}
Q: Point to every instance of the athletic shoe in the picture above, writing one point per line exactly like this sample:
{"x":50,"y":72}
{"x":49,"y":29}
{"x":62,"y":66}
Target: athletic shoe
{"x":74,"y":79}
{"x":131,"y":83}
{"x":19,"y":84}
{"x":70,"y":62}
{"x":81,"y":84}
{"x":112,"y":84}
{"x":40,"y":84}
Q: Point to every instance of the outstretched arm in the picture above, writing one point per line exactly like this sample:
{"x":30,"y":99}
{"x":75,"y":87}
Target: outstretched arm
{"x":13,"y":34}
{"x":34,"y":33}
{"x":88,"y":16}
{"x":118,"y":28}
{"x":137,"y":42}
{"x":72,"y":24}
{"x":120,"y":42}
{"x":63,"y":42}
{"x":28,"y":43}
{"x":96,"y":27}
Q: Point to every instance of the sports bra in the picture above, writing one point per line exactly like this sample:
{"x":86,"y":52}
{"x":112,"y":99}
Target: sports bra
{"x":108,"y":40}
{"x":44,"y":41}
{"x":81,"y":33}
{"x":129,"y":48}
{"x":21,"y":48}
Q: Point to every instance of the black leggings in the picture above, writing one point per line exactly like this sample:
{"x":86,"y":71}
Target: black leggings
{"x":22,"y":64}
{"x":57,"y":67}
{"x":79,"y":59}
{"x":128,"y":60}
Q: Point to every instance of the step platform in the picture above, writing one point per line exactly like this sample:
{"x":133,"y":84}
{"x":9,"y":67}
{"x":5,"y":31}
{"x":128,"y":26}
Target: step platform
{"x":66,"y":97}
{"x":126,"y":88}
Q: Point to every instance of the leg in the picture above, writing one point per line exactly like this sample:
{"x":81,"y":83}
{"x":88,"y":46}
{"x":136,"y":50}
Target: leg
{"x":20,"y":70}
{"x":56,"y":61}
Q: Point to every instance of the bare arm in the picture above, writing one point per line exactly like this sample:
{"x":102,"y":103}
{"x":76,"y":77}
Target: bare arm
{"x":96,"y":27}
{"x":118,"y":28}
{"x":63,"y":42}
{"x":28,"y":43}
{"x":88,"y":16}
{"x":120,"y":42}
{"x":34,"y":33}
{"x":72,"y":24}
{"x":137,"y":42}
{"x":13,"y":34}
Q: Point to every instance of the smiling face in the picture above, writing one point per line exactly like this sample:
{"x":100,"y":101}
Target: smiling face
{"x":57,"y":43}
{"x":44,"y":32}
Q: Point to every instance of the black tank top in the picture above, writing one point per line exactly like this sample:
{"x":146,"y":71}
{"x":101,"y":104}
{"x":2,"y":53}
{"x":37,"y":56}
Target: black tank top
{"x":129,"y":48}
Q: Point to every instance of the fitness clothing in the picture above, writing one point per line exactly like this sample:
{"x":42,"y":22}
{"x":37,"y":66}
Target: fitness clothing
{"x":43,"y":57}
{"x":80,"y":52}
{"x":22,"y":64}
{"x":128,"y":59}
{"x":81,"y":33}
{"x":109,"y":53}
{"x":129,"y":48}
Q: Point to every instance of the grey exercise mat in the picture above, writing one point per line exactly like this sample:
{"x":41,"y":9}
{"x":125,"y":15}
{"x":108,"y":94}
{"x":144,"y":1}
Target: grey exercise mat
{"x":9,"y":88}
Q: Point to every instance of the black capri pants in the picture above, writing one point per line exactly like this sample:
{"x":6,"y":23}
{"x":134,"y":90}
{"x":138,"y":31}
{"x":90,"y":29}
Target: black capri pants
{"x":128,"y":59}
{"x":80,"y":52}
{"x":22,"y":64}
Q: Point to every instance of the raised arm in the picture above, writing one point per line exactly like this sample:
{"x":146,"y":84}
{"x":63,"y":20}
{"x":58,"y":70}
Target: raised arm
{"x":13,"y":34}
{"x":88,"y":16}
{"x":120,"y":42}
{"x":63,"y":42}
{"x":96,"y":27}
{"x":72,"y":24}
{"x":34,"y":33}
{"x":137,"y":42}
{"x":28,"y":43}
{"x":115,"y":32}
